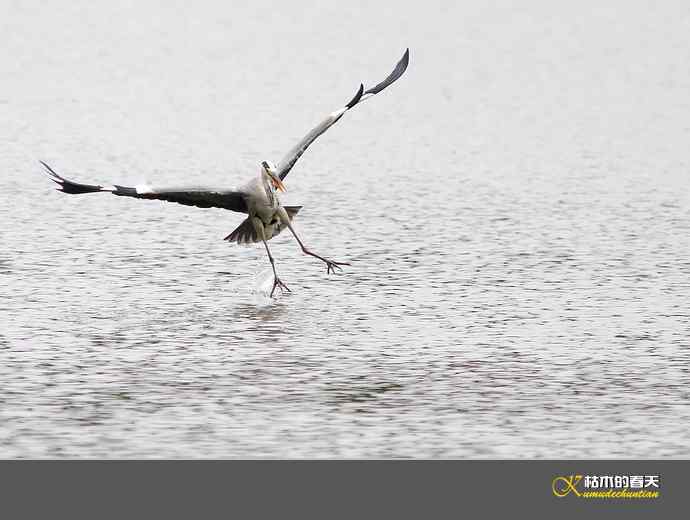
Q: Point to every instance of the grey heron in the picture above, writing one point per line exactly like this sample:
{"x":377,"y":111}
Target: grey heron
{"x":258,"y":198}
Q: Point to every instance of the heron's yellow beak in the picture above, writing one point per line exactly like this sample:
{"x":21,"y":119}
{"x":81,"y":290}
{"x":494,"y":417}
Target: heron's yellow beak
{"x":278,"y":183}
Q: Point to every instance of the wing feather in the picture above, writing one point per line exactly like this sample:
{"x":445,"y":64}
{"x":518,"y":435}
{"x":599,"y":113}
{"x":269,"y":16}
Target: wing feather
{"x":200,"y":197}
{"x":287,"y":162}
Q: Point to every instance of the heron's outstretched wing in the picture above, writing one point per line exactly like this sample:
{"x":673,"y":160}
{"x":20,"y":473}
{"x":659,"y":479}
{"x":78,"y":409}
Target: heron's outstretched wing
{"x":293,"y":155}
{"x":200,"y":197}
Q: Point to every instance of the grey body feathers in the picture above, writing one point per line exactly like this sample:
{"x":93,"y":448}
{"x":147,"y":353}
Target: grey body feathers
{"x":246,"y":232}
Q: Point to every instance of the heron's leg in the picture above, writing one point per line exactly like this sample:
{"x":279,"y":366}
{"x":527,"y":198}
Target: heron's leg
{"x":330,"y":264}
{"x":259,"y":226}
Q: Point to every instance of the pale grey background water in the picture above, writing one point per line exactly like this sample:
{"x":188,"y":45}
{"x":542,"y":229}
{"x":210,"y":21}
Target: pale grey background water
{"x":516,"y":211}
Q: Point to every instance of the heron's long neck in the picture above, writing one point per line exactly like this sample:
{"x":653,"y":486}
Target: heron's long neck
{"x":270,"y":191}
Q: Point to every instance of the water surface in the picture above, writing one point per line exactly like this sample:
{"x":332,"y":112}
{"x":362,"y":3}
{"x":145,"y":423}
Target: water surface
{"x":515,"y":210}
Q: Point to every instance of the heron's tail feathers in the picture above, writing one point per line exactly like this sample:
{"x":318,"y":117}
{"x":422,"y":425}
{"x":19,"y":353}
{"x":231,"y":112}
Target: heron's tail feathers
{"x":245,"y":233}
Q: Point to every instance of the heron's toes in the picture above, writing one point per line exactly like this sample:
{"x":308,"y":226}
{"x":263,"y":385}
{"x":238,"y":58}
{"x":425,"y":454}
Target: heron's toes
{"x":277,"y":283}
{"x":332,"y":265}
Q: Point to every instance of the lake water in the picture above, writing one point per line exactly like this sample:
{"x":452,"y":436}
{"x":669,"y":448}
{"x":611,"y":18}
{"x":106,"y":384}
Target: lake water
{"x":515,"y":209}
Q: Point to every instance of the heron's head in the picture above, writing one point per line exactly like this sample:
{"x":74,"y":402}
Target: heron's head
{"x":269,"y":169}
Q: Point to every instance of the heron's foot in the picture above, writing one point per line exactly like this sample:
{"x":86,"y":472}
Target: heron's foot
{"x":332,"y":265}
{"x":279,"y":284}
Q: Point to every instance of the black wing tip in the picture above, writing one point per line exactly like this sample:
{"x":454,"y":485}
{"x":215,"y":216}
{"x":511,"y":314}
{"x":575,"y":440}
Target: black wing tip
{"x":401,"y":66}
{"x":67,"y":186}
{"x":406,"y":57}
{"x":50,"y":171}
{"x":394,"y":76}
{"x":53,"y":176}
{"x":357,"y":97}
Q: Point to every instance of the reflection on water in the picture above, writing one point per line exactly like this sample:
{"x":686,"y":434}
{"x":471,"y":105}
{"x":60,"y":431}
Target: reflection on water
{"x":515,"y":211}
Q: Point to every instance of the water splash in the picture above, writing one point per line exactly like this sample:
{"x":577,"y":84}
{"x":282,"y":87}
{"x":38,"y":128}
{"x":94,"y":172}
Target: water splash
{"x":263,"y":282}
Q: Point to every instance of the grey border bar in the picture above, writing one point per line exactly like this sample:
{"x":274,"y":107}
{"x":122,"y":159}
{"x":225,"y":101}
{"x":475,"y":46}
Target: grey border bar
{"x":323,"y":489}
